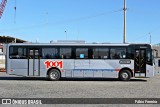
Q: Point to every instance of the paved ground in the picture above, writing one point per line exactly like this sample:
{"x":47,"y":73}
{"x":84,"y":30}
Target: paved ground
{"x":21,"y":87}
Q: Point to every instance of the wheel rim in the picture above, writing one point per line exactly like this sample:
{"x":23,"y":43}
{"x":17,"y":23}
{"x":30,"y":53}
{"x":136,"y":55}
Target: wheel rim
{"x":124,"y":75}
{"x":54,"y":75}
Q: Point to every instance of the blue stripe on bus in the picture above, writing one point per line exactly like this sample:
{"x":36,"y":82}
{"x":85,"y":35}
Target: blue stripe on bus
{"x":94,"y":70}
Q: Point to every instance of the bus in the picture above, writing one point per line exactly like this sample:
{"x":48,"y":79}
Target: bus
{"x":79,"y":60}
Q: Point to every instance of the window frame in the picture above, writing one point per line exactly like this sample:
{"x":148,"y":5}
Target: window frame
{"x":64,"y":57}
{"x":49,"y":52}
{"x":17,"y":55}
{"x":118,"y":47}
{"x":99,"y":54}
{"x":87,"y":57}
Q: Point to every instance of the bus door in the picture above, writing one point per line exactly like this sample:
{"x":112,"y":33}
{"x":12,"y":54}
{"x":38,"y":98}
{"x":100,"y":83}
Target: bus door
{"x":34,"y":62}
{"x":140,"y":63}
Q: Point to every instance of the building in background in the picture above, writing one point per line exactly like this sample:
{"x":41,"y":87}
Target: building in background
{"x":9,"y":39}
{"x":156,"y":49}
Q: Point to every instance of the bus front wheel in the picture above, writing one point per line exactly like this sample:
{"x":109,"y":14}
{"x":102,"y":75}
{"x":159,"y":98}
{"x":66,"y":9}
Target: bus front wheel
{"x":54,"y":75}
{"x":125,"y":75}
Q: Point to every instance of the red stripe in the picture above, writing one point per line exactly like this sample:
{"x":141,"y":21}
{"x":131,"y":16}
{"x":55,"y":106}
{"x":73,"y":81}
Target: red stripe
{"x":117,"y":70}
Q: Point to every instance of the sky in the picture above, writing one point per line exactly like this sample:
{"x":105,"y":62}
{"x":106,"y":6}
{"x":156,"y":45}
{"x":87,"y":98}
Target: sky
{"x":89,"y":20}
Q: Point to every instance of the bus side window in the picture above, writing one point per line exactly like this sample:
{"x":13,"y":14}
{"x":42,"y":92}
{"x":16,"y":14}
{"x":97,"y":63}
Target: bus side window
{"x":123,"y":54}
{"x":12,"y":52}
{"x":65,"y":53}
{"x":130,"y":53}
{"x":100,"y":53}
{"x":95,"y":53}
{"x":30,"y":54}
{"x":118,"y":53}
{"x":103,"y":53}
{"x":112,"y":53}
{"x":149,"y":56}
{"x":82,"y":53}
{"x":17,"y":53}
{"x":49,"y":53}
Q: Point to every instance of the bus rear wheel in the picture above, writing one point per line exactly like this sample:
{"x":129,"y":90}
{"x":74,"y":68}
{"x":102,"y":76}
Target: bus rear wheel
{"x":125,"y":75}
{"x":54,"y":75}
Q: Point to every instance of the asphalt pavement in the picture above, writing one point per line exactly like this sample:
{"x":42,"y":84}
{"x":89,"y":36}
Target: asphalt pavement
{"x":31,"y":87}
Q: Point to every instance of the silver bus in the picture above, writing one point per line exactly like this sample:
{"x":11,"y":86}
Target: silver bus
{"x":79,"y":60}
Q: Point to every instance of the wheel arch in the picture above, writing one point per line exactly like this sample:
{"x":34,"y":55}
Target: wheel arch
{"x":125,"y":68}
{"x":53,"y":68}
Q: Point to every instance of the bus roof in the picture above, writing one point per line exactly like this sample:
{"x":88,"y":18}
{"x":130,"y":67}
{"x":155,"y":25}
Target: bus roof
{"x":73,"y":44}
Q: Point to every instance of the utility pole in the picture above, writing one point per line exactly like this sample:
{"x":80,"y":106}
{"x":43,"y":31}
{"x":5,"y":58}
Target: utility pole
{"x":66,"y":34}
{"x":15,"y":8}
{"x":124,"y":33}
{"x":150,"y":37}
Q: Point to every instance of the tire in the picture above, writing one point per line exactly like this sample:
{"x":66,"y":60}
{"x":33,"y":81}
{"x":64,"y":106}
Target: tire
{"x":54,"y":75}
{"x":125,"y":75}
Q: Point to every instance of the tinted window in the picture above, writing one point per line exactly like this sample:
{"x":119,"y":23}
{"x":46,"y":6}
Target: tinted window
{"x":82,"y":53}
{"x":50,"y":53}
{"x":34,"y":54}
{"x":65,"y":53}
{"x":149,"y":55}
{"x":95,"y":53}
{"x":130,"y":54}
{"x":118,"y":53}
{"x":100,"y":53}
{"x":18,"y":53}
